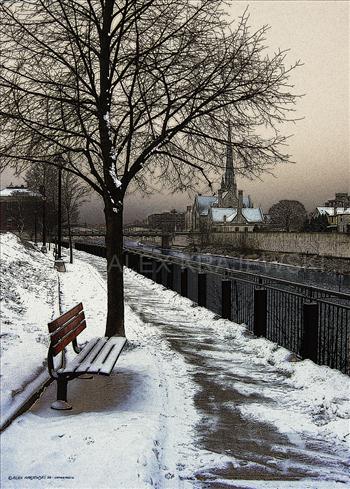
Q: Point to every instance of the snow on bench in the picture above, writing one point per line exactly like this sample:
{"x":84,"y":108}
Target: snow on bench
{"x":99,"y":356}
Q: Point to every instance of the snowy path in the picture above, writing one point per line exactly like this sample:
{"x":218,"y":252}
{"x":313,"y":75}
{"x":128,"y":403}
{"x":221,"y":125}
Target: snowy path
{"x":248,"y":406}
{"x":234,"y":385}
{"x":194,"y":402}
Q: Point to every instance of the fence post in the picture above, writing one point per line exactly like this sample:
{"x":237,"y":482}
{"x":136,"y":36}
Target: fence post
{"x":202,"y":289}
{"x":184,"y":282}
{"x":147,"y":267}
{"x":131,"y":260}
{"x":309,"y":337}
{"x":260,"y":312}
{"x":226,"y":299}
{"x":157,"y":271}
{"x":169,"y":276}
{"x":136,"y":262}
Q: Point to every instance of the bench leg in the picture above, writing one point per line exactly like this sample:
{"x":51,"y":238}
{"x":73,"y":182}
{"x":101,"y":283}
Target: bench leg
{"x":61,"y":404}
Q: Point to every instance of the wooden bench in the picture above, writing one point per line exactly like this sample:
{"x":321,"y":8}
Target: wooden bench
{"x":99,"y":356}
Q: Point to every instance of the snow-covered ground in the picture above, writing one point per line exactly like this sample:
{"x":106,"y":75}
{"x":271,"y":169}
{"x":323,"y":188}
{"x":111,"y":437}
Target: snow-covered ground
{"x":29,"y":300}
{"x":144,"y":426}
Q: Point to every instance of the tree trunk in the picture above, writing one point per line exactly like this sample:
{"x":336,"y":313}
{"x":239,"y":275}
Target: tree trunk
{"x":115,"y":283}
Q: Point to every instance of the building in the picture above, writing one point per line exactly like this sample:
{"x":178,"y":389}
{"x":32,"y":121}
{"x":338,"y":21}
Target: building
{"x":229,"y":210}
{"x":343,"y":223}
{"x":18,"y":208}
{"x":167,"y":222}
{"x":341,"y":199}
{"x":338,"y":218}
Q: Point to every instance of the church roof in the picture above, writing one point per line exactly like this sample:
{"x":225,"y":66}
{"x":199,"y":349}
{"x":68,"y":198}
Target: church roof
{"x":204,"y":203}
{"x":251,"y":215}
{"x":218,"y":213}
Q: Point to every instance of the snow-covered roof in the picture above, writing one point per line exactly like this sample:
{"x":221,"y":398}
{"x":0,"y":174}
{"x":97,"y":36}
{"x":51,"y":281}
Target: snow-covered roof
{"x":251,"y":214}
{"x":13,"y":191}
{"x":330,"y":210}
{"x":204,"y":202}
{"x":218,"y":213}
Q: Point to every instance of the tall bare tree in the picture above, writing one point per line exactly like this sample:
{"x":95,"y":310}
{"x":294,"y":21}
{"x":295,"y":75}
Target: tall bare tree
{"x":44,"y":179}
{"x":132,"y":91}
{"x":288,"y":215}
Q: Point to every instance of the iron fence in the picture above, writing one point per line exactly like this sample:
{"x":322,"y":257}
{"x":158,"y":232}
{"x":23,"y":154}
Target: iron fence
{"x":309,"y":321}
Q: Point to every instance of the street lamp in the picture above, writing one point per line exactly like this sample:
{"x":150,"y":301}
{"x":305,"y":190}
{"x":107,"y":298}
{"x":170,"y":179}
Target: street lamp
{"x":35,"y":227}
{"x":59,"y":264}
{"x":42,"y":190}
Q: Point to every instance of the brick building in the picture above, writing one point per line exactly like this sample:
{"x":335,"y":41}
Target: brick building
{"x":18,"y":206}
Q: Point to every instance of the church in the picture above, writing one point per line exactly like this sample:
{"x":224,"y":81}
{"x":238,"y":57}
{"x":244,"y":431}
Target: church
{"x":229,"y":210}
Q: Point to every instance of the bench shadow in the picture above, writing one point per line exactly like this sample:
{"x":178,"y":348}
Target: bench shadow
{"x":118,"y":392}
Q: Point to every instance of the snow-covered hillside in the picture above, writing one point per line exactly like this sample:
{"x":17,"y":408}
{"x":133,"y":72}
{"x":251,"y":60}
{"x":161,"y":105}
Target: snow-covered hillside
{"x":29,"y":299}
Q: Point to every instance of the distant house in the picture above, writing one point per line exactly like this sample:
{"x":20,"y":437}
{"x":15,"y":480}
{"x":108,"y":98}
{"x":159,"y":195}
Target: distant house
{"x":344,"y":222}
{"x":338,"y":218}
{"x":18,"y":206}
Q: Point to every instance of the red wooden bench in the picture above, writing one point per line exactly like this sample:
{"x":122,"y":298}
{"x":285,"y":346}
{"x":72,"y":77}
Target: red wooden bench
{"x":98,"y":356}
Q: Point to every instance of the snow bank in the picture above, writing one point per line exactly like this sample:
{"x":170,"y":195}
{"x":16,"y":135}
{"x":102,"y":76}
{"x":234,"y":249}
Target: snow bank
{"x":29,"y":300}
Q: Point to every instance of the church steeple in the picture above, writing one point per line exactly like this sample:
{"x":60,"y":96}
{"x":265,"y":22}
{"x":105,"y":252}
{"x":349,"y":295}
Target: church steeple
{"x":229,"y":181}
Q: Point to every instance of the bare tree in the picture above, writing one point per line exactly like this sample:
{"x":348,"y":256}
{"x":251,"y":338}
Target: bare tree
{"x":132,"y":92}
{"x":288,"y":215}
{"x":44,"y":179}
{"x":73,"y":194}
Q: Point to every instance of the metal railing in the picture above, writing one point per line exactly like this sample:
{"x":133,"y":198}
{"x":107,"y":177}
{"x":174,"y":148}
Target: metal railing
{"x":309,"y":321}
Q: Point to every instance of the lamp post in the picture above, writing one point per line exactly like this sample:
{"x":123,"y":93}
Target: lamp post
{"x":59,"y":213}
{"x":43,"y":193}
{"x":35,"y":227}
{"x":59,"y":264}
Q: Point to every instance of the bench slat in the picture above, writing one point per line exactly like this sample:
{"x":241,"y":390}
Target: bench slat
{"x":108,"y":356}
{"x":63,"y":342}
{"x":63,"y":330}
{"x":84,"y":366}
{"x":56,"y":323}
{"x":111,"y":360}
{"x":73,"y":364}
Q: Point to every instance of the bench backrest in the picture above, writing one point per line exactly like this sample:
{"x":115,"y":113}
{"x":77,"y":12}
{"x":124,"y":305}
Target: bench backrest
{"x":66,"y":328}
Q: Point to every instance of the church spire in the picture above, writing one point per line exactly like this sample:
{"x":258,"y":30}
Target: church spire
{"x":229,"y":180}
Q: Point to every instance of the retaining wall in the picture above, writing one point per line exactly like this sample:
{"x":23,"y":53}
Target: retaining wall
{"x":322,"y":244}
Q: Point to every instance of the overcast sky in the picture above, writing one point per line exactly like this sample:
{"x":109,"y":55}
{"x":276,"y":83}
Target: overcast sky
{"x":317,"y":33}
